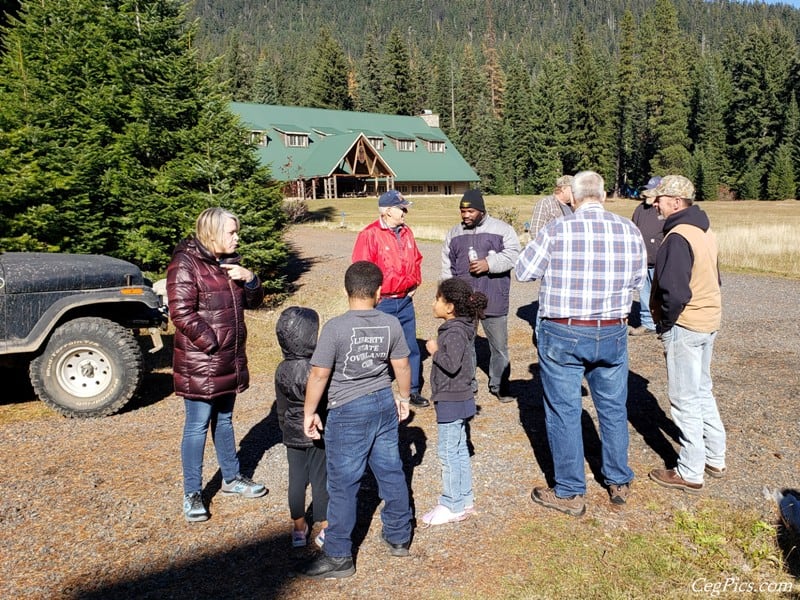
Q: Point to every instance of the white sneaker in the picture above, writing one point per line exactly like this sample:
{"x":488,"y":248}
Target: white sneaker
{"x":441,"y":515}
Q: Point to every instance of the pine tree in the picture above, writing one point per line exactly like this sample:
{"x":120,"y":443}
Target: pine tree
{"x":517,"y":135}
{"x":470,"y":111}
{"x":396,"y":98}
{"x":591,"y":146}
{"x":628,"y":108}
{"x":369,"y":78}
{"x":328,"y":85}
{"x":760,"y":73}
{"x":112,"y":138}
{"x":781,"y":183}
{"x":267,"y":85}
{"x":665,"y":88}
{"x":237,"y":70}
{"x":709,"y":105}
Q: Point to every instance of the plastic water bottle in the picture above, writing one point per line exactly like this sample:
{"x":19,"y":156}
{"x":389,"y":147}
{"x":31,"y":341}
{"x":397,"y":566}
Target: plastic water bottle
{"x":473,"y":255}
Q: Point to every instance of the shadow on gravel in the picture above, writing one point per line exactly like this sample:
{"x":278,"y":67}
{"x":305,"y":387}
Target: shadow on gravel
{"x":259,"y":570}
{"x":650,"y":421}
{"x":262,"y":436}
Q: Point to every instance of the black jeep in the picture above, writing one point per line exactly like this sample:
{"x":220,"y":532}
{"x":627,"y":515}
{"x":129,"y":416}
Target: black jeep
{"x":72,"y":318}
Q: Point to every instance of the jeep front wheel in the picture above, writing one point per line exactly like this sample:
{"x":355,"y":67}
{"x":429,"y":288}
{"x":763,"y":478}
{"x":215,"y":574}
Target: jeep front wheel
{"x":90,"y":367}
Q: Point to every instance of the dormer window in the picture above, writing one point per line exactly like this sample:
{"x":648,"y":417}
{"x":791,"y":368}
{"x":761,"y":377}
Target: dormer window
{"x":296,"y":140}
{"x":259,"y":138}
{"x":376,"y":142}
{"x":435,"y":146}
{"x":406,"y":145}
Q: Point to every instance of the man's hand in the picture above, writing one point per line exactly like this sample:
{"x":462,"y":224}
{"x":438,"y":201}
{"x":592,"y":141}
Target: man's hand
{"x":479,"y":267}
{"x":403,"y":409}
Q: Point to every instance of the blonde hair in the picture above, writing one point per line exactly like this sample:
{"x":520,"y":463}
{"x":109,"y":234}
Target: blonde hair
{"x":210,"y":226}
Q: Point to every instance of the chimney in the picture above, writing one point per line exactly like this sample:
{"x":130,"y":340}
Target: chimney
{"x":430,"y":119}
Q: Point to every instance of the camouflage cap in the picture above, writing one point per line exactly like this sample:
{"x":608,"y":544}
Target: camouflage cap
{"x":672,"y":185}
{"x":564,"y":181}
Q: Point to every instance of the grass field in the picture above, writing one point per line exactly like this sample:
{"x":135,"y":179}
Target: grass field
{"x":754,"y":236}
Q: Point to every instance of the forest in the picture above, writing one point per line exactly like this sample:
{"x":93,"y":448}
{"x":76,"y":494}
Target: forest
{"x":115,"y":127}
{"x":529,"y":89}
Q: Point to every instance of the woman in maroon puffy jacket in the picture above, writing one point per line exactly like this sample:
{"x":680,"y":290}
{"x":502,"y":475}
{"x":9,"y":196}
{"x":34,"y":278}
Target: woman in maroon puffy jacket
{"x":208,"y":290}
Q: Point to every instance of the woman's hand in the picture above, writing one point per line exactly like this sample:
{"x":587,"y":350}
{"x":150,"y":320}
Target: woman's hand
{"x":238,"y":273}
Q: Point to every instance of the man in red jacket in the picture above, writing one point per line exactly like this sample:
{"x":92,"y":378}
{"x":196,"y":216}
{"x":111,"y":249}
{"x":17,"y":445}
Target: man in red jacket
{"x":389,"y":243}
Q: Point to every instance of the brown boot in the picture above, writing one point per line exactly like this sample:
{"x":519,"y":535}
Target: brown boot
{"x":670,"y":478}
{"x":573,"y":505}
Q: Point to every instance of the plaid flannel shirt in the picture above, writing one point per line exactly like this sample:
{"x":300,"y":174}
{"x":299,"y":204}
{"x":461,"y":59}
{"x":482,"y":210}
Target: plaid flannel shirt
{"x":589,"y":263}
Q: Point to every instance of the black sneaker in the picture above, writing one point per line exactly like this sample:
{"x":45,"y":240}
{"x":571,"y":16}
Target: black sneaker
{"x":329,"y":567}
{"x":397,"y":549}
{"x":419,"y":401}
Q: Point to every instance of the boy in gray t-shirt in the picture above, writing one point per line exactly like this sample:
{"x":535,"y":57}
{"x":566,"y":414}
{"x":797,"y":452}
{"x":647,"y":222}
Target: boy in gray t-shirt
{"x":353,"y":353}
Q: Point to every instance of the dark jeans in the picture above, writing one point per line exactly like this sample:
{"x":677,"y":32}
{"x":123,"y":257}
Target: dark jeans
{"x":363,"y":432}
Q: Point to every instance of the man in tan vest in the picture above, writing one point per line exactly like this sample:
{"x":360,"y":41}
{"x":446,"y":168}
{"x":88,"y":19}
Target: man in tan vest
{"x":686,"y":306}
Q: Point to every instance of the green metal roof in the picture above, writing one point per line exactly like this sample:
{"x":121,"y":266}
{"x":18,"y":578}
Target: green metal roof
{"x":324,"y":152}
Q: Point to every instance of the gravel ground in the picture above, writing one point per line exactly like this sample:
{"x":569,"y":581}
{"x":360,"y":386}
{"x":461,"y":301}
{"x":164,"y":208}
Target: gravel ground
{"x":91,"y":509}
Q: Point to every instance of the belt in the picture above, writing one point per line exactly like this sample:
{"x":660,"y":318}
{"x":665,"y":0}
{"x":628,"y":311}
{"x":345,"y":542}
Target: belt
{"x":396,"y":296}
{"x":588,"y":322}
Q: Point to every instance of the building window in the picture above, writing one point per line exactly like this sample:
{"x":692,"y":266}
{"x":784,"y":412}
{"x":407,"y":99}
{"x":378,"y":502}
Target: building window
{"x":376,"y":142}
{"x":296,"y":140}
{"x":436,"y":147}
{"x":258,"y":138}
{"x":433,"y":189}
{"x":417,"y":189}
{"x":403,"y":189}
{"x":406,"y":145}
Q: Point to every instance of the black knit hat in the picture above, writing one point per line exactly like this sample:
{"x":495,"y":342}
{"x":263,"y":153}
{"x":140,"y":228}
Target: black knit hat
{"x":473,"y":199}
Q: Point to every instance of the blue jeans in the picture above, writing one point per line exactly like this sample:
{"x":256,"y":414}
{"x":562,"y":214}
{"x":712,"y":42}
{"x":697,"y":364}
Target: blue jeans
{"x":694,"y":408}
{"x":199,"y":415}
{"x":456,"y":467}
{"x":361,"y":432}
{"x":645,"y":317}
{"x":567,"y":353}
{"x":403,"y":309}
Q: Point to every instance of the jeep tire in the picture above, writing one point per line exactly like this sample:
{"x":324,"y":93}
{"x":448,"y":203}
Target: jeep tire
{"x":91,"y":367}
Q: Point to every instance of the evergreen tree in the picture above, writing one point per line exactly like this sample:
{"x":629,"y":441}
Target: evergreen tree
{"x":112,"y":138}
{"x":781,"y":180}
{"x":328,"y":85}
{"x":550,"y":135}
{"x":369,"y":78}
{"x":470,"y":112}
{"x":237,"y":70}
{"x":708,"y":128}
{"x":267,"y":84}
{"x":591,"y":133}
{"x":666,"y":90}
{"x":396,"y":97}
{"x":517,"y":132}
{"x":440,"y":85}
{"x":760,"y":72}
{"x":627,"y":108}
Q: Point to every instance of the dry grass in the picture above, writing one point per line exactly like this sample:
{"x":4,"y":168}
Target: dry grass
{"x":754,"y":236}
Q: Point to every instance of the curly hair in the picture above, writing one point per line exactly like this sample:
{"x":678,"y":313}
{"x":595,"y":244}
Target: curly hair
{"x":466,"y":303}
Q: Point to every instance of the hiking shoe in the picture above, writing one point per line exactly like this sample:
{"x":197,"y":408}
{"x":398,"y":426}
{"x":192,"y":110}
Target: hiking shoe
{"x":441,"y":515}
{"x":636,"y":331}
{"x":244,"y":486}
{"x":320,"y":539}
{"x":300,"y":538}
{"x":329,"y":567}
{"x":715,"y":472}
{"x":502,"y":397}
{"x":193,"y":508}
{"x":419,"y":401}
{"x":400,"y":549}
{"x":669,"y":478}
{"x":572,"y":505}
{"x":619,"y":493}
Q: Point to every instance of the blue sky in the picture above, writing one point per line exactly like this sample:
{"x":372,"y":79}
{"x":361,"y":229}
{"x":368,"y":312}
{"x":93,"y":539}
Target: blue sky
{"x":795,"y":3}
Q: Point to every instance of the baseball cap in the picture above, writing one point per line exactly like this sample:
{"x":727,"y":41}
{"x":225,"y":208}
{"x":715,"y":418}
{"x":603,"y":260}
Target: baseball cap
{"x":672,"y":185}
{"x":392,"y":198}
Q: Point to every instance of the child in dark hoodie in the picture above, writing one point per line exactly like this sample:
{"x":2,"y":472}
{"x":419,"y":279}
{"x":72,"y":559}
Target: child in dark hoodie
{"x":297,"y":330}
{"x":452,"y":372}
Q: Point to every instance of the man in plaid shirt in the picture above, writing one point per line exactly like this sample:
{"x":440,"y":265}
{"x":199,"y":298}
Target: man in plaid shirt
{"x":589,"y":264}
